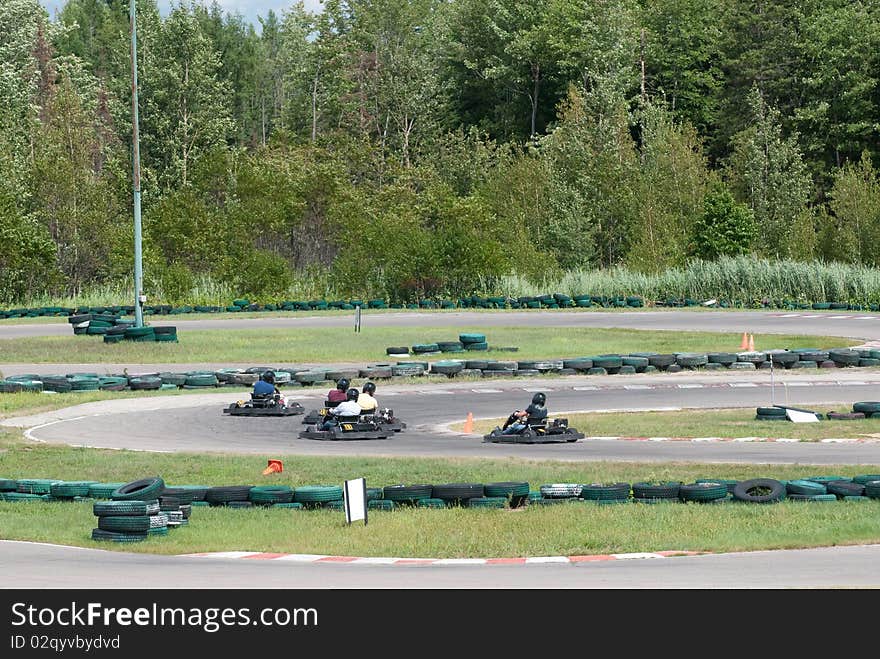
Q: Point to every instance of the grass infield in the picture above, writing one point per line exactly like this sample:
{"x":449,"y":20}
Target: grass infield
{"x":566,"y":529}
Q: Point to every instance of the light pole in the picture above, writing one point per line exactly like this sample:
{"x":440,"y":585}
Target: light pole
{"x":140,"y":298}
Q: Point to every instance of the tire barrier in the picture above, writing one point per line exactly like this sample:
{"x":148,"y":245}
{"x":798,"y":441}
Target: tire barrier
{"x":109,"y":313}
{"x":142,"y":515}
{"x":611,"y":364}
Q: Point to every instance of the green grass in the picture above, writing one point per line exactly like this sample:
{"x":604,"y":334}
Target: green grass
{"x":334,"y":345}
{"x":707,"y":423}
{"x":570,"y":529}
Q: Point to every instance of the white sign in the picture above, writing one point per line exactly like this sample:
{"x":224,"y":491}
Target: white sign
{"x":355,"y":494}
{"x":801,"y":417}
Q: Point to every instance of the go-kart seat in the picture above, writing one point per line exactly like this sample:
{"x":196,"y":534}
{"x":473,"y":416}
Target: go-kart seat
{"x":331,"y":403}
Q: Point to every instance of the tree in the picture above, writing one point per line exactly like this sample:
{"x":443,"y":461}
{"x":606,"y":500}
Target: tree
{"x":855,"y":207}
{"x":725,"y":228}
{"x":767,"y":171}
{"x":671,"y":186}
{"x":837,"y":118}
{"x":185,"y":101}
{"x":683,"y":56}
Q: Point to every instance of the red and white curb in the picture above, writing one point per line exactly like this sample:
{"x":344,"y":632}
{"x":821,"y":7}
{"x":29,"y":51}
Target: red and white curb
{"x":357,"y":560}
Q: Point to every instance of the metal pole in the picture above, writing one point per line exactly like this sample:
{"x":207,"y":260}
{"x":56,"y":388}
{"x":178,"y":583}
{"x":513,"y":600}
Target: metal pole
{"x":772,"y":398}
{"x":136,"y":175}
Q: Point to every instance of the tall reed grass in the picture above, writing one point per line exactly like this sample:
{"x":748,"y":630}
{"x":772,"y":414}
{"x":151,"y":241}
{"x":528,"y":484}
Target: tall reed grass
{"x":742,"y":278}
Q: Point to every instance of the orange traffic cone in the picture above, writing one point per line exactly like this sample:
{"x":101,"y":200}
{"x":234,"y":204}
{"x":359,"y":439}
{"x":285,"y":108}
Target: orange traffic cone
{"x":751,"y":343}
{"x":744,"y":344}
{"x":275,"y":466}
{"x":469,"y":423}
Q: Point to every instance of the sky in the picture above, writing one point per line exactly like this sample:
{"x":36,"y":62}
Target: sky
{"x":250,"y":9}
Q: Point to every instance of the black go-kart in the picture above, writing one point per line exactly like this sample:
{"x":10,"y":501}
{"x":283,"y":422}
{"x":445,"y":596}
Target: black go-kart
{"x":264,"y":405}
{"x":347,"y":428}
{"x":384,"y":417}
{"x":548,"y":432}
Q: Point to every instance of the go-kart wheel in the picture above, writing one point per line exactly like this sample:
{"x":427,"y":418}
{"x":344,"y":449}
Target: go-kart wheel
{"x":528,"y":432}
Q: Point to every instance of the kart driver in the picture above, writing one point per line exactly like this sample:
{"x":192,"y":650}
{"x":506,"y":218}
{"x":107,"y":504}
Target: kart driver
{"x":348,"y":407}
{"x":265,"y":386}
{"x":338,"y":395}
{"x":368,"y":404}
{"x":534,"y":414}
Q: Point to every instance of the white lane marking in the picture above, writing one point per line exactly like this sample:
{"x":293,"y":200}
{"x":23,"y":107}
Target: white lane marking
{"x":460,"y":561}
{"x":689,"y":386}
{"x":27,"y":433}
{"x":707,"y":439}
{"x":790,"y":315}
{"x":865,"y":317}
{"x":487,"y":391}
{"x":743,"y":384}
{"x":797,"y":384}
{"x":547,"y":559}
{"x":438,"y":391}
{"x":585,"y":388}
{"x":530,"y":390}
{"x":839,"y":440}
{"x":643,"y":554}
{"x":786,"y":439}
{"x":636,"y":386}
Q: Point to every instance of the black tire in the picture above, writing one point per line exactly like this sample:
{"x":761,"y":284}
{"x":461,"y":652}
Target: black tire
{"x":143,"y":489}
{"x":457,"y":492}
{"x":124,"y":523}
{"x":643,"y":490}
{"x":407,"y":493}
{"x":218,"y":496}
{"x":866,"y":406}
{"x":845,"y":489}
{"x":845,"y":416}
{"x":708,"y":491}
{"x":770,"y":411}
{"x":118,"y":508}
{"x":605,"y":491}
{"x":759,"y":490}
{"x":113,"y":536}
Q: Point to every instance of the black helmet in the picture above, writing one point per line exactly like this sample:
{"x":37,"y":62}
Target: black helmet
{"x":352,"y":394}
{"x":342,"y":384}
{"x":369,"y":388}
{"x":269,"y":376}
{"x":539,"y":399}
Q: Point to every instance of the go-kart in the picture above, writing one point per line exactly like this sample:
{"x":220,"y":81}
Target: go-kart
{"x":384,"y":417}
{"x":264,"y":405}
{"x":347,"y":428}
{"x":547,"y":432}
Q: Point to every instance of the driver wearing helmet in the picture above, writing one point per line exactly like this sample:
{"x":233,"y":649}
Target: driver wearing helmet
{"x":534,"y":414}
{"x":265,"y":387}
{"x":337,"y":395}
{"x":348,"y":407}
{"x":368,"y":404}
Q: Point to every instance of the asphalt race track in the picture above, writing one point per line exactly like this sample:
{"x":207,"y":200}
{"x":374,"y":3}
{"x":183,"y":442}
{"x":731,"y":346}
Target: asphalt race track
{"x":195,"y":423}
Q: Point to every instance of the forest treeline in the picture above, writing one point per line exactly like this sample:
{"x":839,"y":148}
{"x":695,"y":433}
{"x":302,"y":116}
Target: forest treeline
{"x":416,"y":148}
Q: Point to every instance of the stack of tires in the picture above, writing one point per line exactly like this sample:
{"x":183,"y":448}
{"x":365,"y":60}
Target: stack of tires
{"x":473,"y":341}
{"x":132,"y":514}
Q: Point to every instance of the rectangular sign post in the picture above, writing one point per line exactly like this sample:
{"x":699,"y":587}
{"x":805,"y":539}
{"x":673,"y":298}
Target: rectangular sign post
{"x":355,"y":499}
{"x":357,"y":318}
